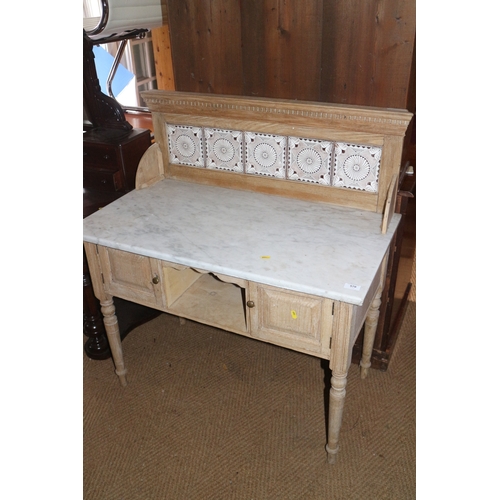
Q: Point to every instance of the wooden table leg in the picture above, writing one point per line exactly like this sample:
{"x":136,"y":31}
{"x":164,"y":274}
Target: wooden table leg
{"x":335,"y":412}
{"x":371,"y":323}
{"x":340,"y":360}
{"x":111,"y":324}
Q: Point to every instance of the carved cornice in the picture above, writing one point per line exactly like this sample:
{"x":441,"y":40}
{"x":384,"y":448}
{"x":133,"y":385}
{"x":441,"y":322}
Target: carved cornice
{"x":356,"y":118}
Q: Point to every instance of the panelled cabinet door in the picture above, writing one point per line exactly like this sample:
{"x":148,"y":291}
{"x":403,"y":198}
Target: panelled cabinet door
{"x":291,"y":319}
{"x":132,"y":277}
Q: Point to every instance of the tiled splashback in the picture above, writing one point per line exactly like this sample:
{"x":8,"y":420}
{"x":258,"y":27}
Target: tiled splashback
{"x":328,"y":163}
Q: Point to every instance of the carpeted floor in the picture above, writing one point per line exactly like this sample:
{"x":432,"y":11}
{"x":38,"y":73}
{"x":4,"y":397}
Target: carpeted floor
{"x":212,"y":415}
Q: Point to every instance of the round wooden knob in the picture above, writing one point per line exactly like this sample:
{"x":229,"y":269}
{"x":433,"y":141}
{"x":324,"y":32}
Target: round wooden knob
{"x":251,"y":303}
{"x":156,"y":280}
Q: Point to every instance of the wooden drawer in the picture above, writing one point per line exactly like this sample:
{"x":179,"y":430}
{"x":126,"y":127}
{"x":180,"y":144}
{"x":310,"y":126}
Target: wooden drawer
{"x":132,"y":277}
{"x":291,"y":319}
{"x":104,"y":180}
{"x":100,"y":154}
{"x":108,"y":151}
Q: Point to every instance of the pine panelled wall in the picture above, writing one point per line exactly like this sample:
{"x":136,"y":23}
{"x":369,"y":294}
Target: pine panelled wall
{"x":342,"y":51}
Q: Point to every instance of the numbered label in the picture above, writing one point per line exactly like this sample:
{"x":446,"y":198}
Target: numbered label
{"x":350,"y":286}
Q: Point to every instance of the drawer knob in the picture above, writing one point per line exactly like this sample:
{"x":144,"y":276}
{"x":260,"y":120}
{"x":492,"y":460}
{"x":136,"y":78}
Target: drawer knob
{"x":156,"y":280}
{"x":251,"y":303}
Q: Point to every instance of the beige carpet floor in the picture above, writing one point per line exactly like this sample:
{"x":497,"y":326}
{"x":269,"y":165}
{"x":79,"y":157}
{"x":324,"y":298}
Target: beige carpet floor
{"x":211,"y":415}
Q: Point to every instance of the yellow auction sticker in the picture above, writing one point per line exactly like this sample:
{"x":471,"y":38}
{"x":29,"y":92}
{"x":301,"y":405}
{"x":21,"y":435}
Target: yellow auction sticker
{"x":265,"y":257}
{"x":294,"y":314}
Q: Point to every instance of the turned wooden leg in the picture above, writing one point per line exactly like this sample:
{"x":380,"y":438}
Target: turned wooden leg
{"x":370,"y":330}
{"x":336,"y":409}
{"x":115,"y":343}
{"x":341,"y":351}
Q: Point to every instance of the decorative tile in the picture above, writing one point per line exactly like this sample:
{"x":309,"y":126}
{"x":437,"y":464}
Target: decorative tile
{"x":309,"y":160}
{"x":185,"y":145}
{"x":356,"y":167}
{"x":265,"y":154}
{"x":224,"y":149}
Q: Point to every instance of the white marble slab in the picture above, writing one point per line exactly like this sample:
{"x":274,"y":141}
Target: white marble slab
{"x":314,"y":248}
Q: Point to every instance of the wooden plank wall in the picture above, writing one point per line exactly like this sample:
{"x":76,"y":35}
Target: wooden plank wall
{"x":342,"y":51}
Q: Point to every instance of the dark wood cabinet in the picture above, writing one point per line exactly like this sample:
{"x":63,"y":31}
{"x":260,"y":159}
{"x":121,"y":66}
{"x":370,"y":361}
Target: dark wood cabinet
{"x":111,"y":157}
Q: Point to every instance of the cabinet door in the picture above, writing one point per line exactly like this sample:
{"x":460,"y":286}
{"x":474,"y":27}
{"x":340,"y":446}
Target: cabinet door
{"x":132,"y":277}
{"x":294,"y":320}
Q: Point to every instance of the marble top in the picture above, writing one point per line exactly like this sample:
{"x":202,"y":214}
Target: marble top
{"x":315,"y":248}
